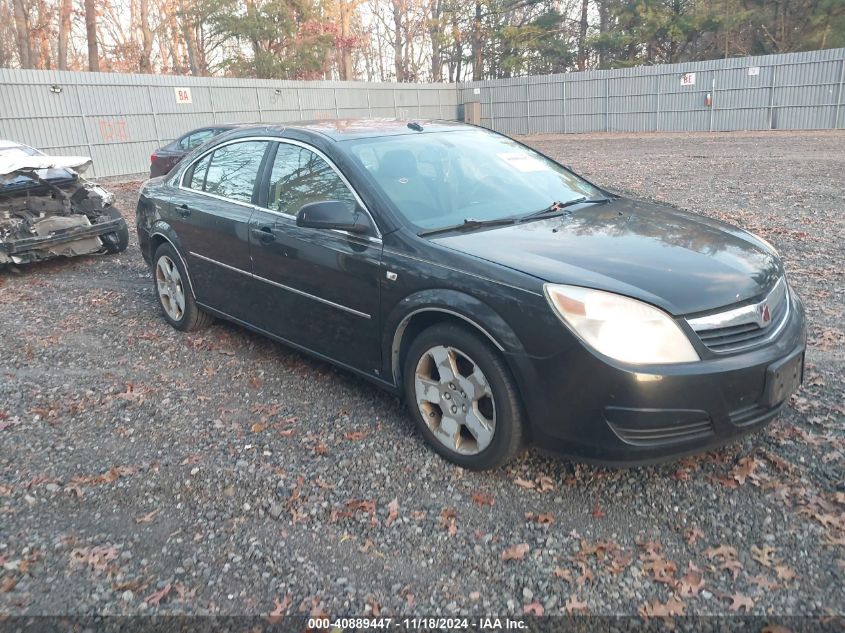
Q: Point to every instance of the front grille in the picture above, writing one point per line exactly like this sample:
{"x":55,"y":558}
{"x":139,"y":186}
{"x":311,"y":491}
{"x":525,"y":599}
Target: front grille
{"x":743,"y":328}
{"x":660,"y":436}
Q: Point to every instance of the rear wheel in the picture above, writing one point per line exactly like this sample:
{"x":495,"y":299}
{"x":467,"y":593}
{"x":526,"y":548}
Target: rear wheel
{"x":118,"y":241}
{"x":174,"y":295}
{"x":463,"y":398}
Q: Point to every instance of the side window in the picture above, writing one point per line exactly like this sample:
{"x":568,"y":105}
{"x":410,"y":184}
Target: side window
{"x":195,"y":177}
{"x":233,"y":170}
{"x":300,"y":177}
{"x":196,"y":139}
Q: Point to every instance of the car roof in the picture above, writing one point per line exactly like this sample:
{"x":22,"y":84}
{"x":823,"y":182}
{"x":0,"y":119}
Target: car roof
{"x":347,"y":129}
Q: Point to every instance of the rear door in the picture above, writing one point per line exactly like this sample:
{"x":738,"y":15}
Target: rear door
{"x":211,"y":213}
{"x":320,"y":287}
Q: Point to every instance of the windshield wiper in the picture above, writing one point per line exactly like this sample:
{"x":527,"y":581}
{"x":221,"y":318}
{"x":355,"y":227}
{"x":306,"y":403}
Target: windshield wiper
{"x":554,"y":207}
{"x":468,"y":224}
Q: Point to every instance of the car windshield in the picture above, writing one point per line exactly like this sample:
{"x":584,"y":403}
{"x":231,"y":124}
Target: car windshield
{"x":442,"y":179}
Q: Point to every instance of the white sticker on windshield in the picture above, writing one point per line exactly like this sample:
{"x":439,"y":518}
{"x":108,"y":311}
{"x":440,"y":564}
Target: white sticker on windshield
{"x":522,"y":162}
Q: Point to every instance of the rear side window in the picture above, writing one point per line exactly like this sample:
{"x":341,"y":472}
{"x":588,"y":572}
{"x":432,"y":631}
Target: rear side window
{"x":196,"y":178}
{"x":230,"y":171}
{"x":300,"y":177}
{"x":196,"y":139}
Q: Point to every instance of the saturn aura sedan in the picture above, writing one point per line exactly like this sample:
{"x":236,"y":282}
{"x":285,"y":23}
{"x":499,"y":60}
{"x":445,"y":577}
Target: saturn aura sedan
{"x":508,"y":300}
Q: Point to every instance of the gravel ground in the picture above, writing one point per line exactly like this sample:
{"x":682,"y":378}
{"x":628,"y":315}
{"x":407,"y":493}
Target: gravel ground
{"x":143,"y":470}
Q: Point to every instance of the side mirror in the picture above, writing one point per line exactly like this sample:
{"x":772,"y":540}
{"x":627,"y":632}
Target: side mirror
{"x":332,"y":214}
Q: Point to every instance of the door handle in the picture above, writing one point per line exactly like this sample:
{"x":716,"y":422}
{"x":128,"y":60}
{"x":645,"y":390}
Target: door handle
{"x":264,"y":234}
{"x":184,"y":210}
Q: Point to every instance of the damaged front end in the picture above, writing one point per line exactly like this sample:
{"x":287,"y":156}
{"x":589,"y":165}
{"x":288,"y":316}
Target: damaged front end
{"x":46,"y":213}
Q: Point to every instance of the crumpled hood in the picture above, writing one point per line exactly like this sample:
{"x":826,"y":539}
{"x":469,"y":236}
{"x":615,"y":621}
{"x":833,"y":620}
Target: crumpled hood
{"x":10,"y":165}
{"x":682,"y":262}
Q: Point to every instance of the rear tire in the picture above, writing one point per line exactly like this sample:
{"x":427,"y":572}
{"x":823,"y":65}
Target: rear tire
{"x":170,"y":281}
{"x":118,"y":241}
{"x":463,"y":398}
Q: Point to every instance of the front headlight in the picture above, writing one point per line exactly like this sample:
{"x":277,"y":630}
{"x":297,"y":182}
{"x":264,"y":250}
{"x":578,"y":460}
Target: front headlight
{"x":625,"y":329}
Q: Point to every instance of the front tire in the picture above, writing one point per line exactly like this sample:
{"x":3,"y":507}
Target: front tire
{"x":463,"y":398}
{"x":118,"y":241}
{"x":170,"y":280}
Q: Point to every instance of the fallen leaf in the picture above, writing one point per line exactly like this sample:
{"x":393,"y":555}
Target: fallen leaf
{"x":524,"y":483}
{"x":692,"y":535}
{"x":573,"y":604}
{"x":723,"y":551}
{"x":544,"y":518}
{"x":8,"y":583}
{"x":516,"y":552}
{"x":545,"y":483}
{"x":392,"y":512}
{"x":563,"y":574}
{"x":739,"y":601}
{"x":147,"y":518}
{"x":657,"y":609}
{"x":785,"y":573}
{"x":258,"y":427}
{"x":355,"y":436}
{"x":597,"y":513}
{"x":483,"y":499}
{"x":764,"y":555}
{"x":535,"y":608}
{"x":156,"y":598}
{"x":691,"y":583}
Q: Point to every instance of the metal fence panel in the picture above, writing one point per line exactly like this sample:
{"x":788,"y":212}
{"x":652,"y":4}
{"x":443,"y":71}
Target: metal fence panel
{"x":787,"y":91}
{"x":119,"y":119}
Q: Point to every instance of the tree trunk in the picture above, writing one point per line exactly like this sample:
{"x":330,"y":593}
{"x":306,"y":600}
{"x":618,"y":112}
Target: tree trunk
{"x":91,"y":33}
{"x":398,"y":57}
{"x":145,"y":63}
{"x":189,"y":37}
{"x":435,"y":32}
{"x":347,"y":73}
{"x":603,"y":27}
{"x":64,"y":33}
{"x":476,"y":44}
{"x":582,"y":36}
{"x":22,"y":33}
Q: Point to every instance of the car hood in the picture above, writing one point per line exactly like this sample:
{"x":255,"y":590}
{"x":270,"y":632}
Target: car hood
{"x":11,"y":165}
{"x":681,"y":262}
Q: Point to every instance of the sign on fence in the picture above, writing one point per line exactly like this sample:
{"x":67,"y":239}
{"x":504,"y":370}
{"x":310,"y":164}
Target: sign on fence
{"x":688,"y":79}
{"x":183,"y":95}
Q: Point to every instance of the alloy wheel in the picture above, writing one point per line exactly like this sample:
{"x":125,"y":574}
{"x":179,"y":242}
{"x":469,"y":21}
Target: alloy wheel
{"x":171,"y":291}
{"x":455,"y":400}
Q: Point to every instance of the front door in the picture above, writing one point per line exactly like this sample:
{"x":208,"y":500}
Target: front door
{"x":321,"y":287}
{"x":211,"y":214}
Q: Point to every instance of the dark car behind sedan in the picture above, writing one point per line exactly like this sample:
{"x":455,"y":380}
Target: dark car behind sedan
{"x":507,"y":299}
{"x":166,"y":158}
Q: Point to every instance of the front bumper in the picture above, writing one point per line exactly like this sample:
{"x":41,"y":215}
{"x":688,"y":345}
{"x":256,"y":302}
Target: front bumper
{"x":580,"y":405}
{"x":37,"y":248}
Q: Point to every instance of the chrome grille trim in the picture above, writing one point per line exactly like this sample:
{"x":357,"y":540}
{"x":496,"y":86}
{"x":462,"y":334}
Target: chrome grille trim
{"x":743,"y":328}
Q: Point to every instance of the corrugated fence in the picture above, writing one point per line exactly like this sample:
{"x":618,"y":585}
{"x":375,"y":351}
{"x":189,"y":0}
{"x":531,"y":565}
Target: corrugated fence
{"x":120,"y":119}
{"x":789,"y":91}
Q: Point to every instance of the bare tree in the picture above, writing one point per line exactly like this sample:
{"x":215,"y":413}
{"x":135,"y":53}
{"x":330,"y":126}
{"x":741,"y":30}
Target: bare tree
{"x":91,"y":34}
{"x":64,"y":32}
{"x":22,"y":33}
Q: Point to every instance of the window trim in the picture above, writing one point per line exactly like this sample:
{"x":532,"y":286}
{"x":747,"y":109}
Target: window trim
{"x":264,"y":179}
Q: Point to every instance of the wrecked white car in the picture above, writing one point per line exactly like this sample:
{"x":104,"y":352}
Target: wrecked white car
{"x":48,"y":210}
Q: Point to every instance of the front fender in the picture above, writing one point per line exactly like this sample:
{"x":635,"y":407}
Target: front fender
{"x":477,"y":314}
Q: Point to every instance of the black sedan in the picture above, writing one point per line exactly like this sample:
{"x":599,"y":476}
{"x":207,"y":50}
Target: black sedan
{"x":166,"y":158}
{"x":508,"y":300}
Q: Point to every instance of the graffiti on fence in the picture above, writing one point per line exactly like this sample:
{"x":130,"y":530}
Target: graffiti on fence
{"x":111,"y":131}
